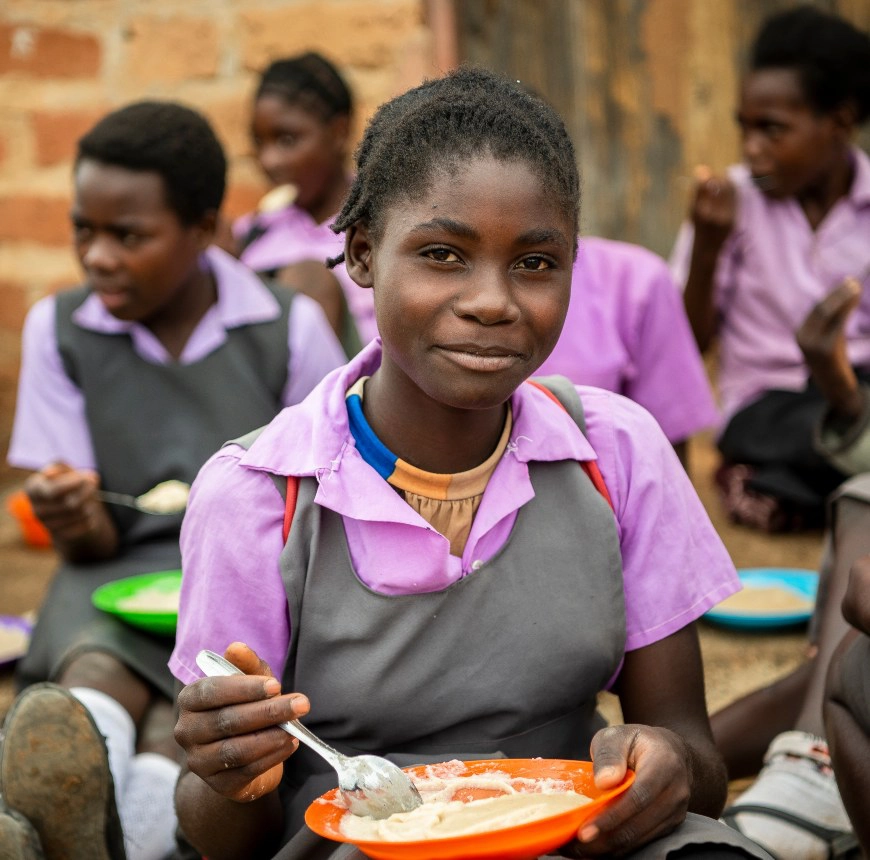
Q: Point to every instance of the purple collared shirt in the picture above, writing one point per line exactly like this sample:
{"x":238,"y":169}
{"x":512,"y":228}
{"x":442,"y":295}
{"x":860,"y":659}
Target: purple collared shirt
{"x":675,"y":566}
{"x":627,"y":331}
{"x":292,"y":235}
{"x":772,"y":271}
{"x":50,"y":424}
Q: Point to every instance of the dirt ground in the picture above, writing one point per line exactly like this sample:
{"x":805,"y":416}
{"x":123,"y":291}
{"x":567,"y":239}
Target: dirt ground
{"x":735,"y":662}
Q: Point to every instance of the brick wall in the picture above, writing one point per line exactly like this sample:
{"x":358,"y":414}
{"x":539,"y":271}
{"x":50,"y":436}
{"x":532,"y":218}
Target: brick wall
{"x":63,"y":63}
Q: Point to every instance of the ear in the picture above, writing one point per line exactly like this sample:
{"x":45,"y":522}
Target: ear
{"x":358,"y":248}
{"x":339,"y":127}
{"x":845,"y":117}
{"x":206,"y":229}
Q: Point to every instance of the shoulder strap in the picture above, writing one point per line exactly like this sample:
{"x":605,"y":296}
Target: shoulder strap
{"x":562,"y":392}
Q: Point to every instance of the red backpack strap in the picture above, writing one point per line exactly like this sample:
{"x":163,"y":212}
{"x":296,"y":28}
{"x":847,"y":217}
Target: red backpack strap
{"x":290,"y":504}
{"x":590,"y":467}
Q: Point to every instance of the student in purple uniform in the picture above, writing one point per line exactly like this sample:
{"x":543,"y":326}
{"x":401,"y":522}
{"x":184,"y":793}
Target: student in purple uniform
{"x":626,"y":331}
{"x":767,"y":243}
{"x":477,"y":579}
{"x":301,"y":128}
{"x":170,"y":347}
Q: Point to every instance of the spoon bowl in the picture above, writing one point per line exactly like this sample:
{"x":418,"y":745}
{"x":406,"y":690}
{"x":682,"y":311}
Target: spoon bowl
{"x":370,"y":785}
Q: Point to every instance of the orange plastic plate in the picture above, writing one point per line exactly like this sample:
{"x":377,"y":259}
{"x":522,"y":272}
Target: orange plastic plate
{"x":524,"y":842}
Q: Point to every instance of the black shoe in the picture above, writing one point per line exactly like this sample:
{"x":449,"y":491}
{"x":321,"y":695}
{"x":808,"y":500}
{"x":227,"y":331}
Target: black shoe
{"x":54,"y":771}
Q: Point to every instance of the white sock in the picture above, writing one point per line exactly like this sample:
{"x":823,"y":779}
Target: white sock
{"x":116,"y":725}
{"x":147,"y":809}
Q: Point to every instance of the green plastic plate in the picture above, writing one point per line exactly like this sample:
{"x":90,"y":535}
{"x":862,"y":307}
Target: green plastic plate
{"x":115,"y":598}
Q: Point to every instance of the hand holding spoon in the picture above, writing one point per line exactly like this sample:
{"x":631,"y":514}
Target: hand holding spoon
{"x":369,"y":784}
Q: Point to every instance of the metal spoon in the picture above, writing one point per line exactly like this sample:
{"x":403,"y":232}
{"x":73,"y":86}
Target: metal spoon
{"x":166,"y":499}
{"x":369,"y":784}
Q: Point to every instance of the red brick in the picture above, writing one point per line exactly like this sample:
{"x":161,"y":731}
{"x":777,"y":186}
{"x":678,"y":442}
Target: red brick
{"x":56,"y":133}
{"x":36,"y":219}
{"x":241,"y":199}
{"x":171,"y":49}
{"x":14,"y":302}
{"x":48,"y":53}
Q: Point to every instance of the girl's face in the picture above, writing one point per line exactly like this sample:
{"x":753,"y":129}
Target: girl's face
{"x":136,"y":254}
{"x":296,"y":147}
{"x":790,"y":147}
{"x":471,"y":280}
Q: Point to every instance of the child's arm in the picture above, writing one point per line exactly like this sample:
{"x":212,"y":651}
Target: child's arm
{"x":226,"y":799}
{"x":65,"y":500}
{"x":666,"y":741}
{"x":713,"y":212}
{"x":856,"y":603}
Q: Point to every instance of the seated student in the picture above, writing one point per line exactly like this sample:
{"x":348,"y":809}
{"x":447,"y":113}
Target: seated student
{"x":478,"y":573}
{"x":847,"y":701}
{"x":135,"y":378}
{"x":781,"y":726}
{"x":626,"y":331}
{"x":767,"y":244}
{"x":300,"y":127}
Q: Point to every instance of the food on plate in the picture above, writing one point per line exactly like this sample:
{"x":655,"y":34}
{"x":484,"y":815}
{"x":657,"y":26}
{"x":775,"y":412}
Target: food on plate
{"x":456,"y":805}
{"x":13,"y":642}
{"x":152,"y":598}
{"x":766,"y":599}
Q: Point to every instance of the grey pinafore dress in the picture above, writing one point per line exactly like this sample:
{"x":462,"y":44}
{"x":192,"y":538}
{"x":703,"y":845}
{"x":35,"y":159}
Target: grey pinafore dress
{"x":149,"y":423}
{"x":506,"y":662}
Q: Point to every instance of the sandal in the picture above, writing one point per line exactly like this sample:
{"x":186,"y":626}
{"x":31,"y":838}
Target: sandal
{"x":793,"y":809}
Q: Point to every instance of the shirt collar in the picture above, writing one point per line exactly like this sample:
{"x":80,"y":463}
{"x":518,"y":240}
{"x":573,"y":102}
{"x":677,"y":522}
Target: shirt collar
{"x":321,"y":437}
{"x":242,"y":299}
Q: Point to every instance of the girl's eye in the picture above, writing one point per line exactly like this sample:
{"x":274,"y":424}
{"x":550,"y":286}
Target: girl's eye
{"x":442,"y":255}
{"x":130,"y":240}
{"x":288,"y":141}
{"x":81,"y":233}
{"x":535,"y":264}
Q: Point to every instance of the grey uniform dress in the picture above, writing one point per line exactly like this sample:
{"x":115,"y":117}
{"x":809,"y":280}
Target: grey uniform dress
{"x":506,"y":662}
{"x":149,"y":423}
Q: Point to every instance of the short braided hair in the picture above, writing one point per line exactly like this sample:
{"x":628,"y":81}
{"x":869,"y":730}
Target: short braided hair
{"x":310,"y":81}
{"x":831,"y":56}
{"x":443,"y":123}
{"x":171,"y":140}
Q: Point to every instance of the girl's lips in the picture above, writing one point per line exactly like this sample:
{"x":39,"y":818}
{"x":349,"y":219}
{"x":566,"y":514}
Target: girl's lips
{"x":113,"y":299}
{"x":483,"y":360}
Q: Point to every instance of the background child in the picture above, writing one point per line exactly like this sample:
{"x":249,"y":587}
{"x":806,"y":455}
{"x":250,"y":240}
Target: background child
{"x":626,"y":331}
{"x":170,"y":347}
{"x":848,"y":698}
{"x":301,"y":127}
{"x":453,"y":582}
{"x":768,"y":243}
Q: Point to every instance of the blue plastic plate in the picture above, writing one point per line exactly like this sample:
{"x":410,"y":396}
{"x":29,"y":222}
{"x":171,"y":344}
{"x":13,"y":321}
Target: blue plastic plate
{"x":803,"y":584}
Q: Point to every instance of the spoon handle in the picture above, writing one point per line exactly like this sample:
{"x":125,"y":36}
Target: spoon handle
{"x":118,"y":499}
{"x":213,"y":664}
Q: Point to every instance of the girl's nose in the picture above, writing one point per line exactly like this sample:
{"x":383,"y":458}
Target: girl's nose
{"x":753,"y":146}
{"x":488,"y":298}
{"x":100,"y":255}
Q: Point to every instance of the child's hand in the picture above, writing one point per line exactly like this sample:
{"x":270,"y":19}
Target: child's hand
{"x":822,"y":340}
{"x":714,"y":208}
{"x":657,"y":800}
{"x":228,"y":728}
{"x":65,"y":500}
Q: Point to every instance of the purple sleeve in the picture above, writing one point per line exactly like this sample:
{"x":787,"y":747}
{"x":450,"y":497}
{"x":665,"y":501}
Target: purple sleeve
{"x":50,"y":424}
{"x":671,"y":382}
{"x":675,"y":566}
{"x":231,"y":588}
{"x":314,"y":349}
{"x":681,"y":259}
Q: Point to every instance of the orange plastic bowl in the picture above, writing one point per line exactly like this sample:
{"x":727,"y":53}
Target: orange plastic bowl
{"x":523,"y":842}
